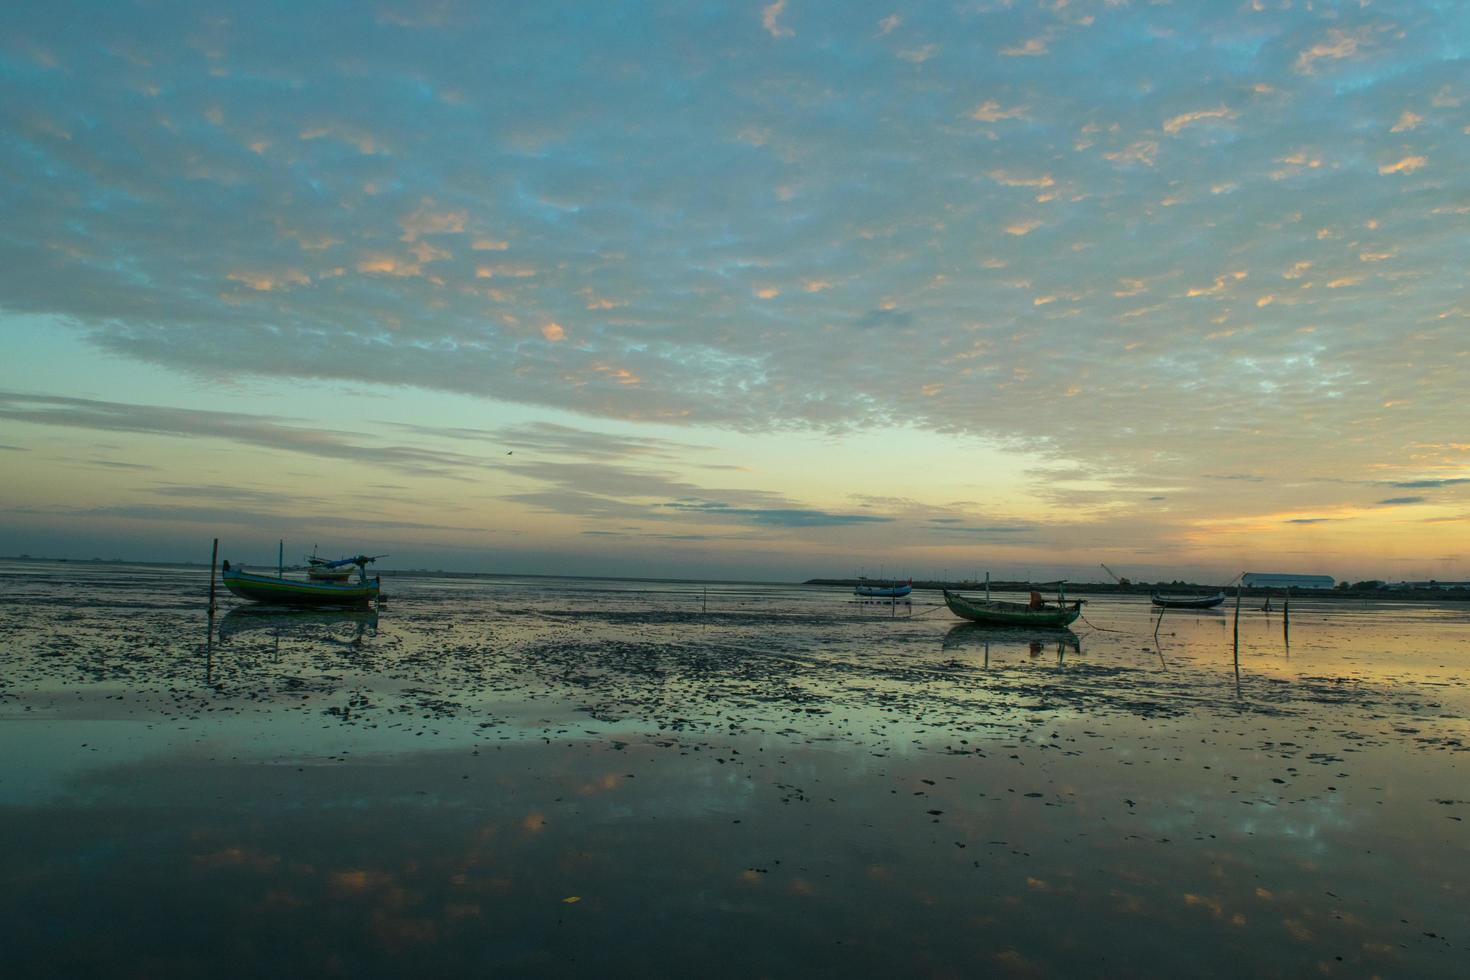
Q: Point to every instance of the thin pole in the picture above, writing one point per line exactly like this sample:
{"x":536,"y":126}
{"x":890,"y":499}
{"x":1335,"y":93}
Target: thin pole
{"x":1237,"y":628}
{"x":281,"y":560}
{"x":213,"y":560}
{"x":1286,"y":620}
{"x":987,"y":587}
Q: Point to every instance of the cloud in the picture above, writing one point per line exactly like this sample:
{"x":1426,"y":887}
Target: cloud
{"x":991,"y":111}
{"x":770,"y":16}
{"x":773,"y":517}
{"x":1406,"y":165}
{"x":1337,"y":45}
{"x":1175,"y":123}
{"x":1431,"y":484}
{"x":428,"y":219}
{"x":235,"y":516}
{"x":643,"y":172}
{"x":1399,"y":501}
{"x":1032,"y":48}
{"x":1407,"y":120}
{"x":269,"y":432}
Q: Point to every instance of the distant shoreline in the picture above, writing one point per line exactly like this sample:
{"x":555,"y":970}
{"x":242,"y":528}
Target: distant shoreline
{"x":1387,"y":593}
{"x":1173,"y":588}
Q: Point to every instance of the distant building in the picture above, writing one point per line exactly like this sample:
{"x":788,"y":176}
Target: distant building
{"x":1431,"y":584}
{"x":1274,"y":580}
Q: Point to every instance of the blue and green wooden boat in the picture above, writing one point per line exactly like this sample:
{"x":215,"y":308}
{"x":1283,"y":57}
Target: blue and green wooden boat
{"x":279,"y":590}
{"x":995,"y":612}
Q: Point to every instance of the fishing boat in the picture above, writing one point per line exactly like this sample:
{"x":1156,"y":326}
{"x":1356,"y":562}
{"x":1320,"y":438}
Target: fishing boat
{"x":996,"y":612}
{"x":321,"y":570}
{"x":874,"y":591}
{"x":1187,"y":601}
{"x":280,"y":590}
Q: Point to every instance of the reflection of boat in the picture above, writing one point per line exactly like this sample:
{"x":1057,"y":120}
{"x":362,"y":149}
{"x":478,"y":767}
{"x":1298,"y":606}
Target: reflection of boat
{"x":277,"y":589}
{"x":995,"y":612}
{"x":873,"y":591}
{"x":244,"y":619}
{"x":977,"y":635}
{"x":1188,"y":601}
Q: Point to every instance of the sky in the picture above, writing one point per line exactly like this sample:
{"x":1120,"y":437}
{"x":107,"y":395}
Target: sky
{"x":763,"y":290}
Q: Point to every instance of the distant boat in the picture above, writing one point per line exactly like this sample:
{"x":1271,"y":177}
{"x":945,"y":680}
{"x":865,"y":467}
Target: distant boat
{"x":1187,"y":601}
{"x":895,"y":591}
{"x":322,"y":570}
{"x":995,"y":612}
{"x":278,"y":589}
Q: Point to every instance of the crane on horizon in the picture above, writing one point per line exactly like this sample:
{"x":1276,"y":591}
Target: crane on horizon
{"x":1116,"y":577}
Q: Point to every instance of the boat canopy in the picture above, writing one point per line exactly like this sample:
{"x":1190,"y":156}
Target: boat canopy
{"x":355,"y":560}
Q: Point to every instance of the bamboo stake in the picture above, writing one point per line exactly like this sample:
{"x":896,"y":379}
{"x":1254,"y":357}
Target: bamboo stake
{"x":213,"y":560}
{"x":1286,"y":620}
{"x":1237,"y":629}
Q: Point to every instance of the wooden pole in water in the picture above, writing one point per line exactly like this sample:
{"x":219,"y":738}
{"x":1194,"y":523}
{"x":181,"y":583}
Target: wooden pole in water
{"x":987,"y":586}
{"x":1237,"y":628}
{"x":281,"y":559}
{"x":1286,"y":619}
{"x":213,"y":560}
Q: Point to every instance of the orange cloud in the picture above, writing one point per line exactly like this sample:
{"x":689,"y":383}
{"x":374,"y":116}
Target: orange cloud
{"x":1405,"y":166}
{"x":991,"y":111}
{"x":1407,"y":121}
{"x":1178,"y":122}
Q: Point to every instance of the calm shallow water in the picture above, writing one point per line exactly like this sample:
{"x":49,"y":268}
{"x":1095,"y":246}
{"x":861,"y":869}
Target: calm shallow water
{"x":556,"y":777}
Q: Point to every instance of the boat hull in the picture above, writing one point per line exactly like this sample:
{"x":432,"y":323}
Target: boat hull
{"x":994,"y":612}
{"x":293,"y":592}
{"x":895,"y":592}
{"x":1188,"y":601}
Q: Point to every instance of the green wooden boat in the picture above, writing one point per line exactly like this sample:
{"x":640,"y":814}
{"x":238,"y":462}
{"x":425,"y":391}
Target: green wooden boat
{"x":279,"y":590}
{"x":995,"y":612}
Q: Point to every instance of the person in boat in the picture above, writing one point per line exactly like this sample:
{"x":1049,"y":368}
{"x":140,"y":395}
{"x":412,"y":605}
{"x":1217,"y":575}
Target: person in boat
{"x":1037,"y":602}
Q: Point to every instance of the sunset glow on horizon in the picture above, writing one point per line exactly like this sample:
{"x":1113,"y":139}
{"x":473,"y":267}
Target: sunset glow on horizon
{"x":742,"y":290}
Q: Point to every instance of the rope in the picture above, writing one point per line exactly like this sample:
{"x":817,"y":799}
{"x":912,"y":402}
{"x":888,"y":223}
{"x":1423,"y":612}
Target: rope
{"x":1100,"y":629}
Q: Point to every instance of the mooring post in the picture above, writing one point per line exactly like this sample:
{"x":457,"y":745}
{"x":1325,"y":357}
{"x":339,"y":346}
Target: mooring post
{"x":1237,"y":627}
{"x":213,"y":560}
{"x":1286,"y":620}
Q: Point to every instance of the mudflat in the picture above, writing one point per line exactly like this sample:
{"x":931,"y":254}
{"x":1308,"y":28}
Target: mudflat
{"x":571,"y":777}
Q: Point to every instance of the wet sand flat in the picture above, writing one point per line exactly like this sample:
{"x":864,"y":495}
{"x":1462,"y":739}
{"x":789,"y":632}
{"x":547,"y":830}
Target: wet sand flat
{"x":556,"y":777}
